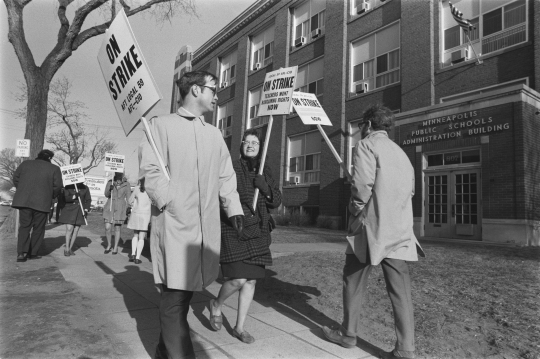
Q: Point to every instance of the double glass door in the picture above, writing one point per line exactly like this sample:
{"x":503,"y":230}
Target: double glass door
{"x":452,"y":204}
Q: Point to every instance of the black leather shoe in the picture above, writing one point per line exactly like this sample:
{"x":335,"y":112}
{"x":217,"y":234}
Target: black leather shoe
{"x":137,"y":261}
{"x":21,"y":258}
{"x":131,"y":257}
{"x":335,"y":336}
{"x":34,"y":256}
{"x":107,"y":251}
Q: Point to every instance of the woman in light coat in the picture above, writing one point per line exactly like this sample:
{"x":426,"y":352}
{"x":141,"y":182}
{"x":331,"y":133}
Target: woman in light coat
{"x":139,"y":219}
{"x":114,"y":211}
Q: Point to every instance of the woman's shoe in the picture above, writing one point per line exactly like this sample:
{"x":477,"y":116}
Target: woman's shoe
{"x":71,"y":252}
{"x":131,"y":257}
{"x":66,"y":253}
{"x":215,"y":320}
{"x":107,"y":251}
{"x":244,"y":336}
{"x":115,"y":252}
{"x":137,"y":261}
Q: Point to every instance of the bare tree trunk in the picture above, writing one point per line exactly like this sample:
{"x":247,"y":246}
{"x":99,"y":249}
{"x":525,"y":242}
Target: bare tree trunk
{"x":36,"y":120}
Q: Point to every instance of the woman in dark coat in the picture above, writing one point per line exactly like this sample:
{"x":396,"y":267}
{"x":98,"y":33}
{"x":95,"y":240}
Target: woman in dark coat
{"x":72,"y":215}
{"x":243,"y":259}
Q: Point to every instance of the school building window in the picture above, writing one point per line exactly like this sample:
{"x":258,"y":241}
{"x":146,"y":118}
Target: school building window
{"x":253,"y":105}
{"x":262,"y":49}
{"x":228,"y":70}
{"x":453,"y":158}
{"x":359,"y":7}
{"x":375,"y":60}
{"x":310,"y":77}
{"x":497,"y":25}
{"x":309,"y":19}
{"x":224,"y":121}
{"x":304,"y":158}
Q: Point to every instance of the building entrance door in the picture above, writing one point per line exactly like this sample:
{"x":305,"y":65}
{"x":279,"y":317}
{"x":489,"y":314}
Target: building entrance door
{"x":453,"y":204}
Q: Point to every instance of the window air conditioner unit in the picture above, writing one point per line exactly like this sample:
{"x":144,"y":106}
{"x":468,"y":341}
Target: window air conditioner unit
{"x":362,"y":8}
{"x":257,"y":66}
{"x":459,"y":56}
{"x":362,"y":87}
{"x":315,"y":33}
{"x":224,"y":84}
{"x":300,"y":41}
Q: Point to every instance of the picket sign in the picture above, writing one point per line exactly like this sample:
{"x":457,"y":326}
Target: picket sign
{"x":73,"y":174}
{"x":276,"y":98}
{"x":132,"y":87}
{"x":311,"y":112}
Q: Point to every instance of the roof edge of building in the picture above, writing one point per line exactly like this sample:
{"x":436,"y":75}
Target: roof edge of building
{"x":511,"y":93}
{"x":233,"y":27}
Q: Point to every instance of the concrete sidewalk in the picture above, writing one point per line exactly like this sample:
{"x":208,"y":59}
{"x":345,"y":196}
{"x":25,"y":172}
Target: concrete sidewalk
{"x":118,"y":304}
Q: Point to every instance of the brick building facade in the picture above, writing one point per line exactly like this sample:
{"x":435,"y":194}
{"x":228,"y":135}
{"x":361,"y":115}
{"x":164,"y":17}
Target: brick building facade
{"x":466,"y":103}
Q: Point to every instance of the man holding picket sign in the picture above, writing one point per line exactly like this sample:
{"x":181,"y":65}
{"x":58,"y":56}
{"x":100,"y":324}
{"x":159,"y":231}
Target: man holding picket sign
{"x":188,"y":176}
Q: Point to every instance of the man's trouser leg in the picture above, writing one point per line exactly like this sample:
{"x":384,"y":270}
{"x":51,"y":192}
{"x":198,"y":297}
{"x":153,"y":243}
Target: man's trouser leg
{"x":398,"y":285}
{"x":355,"y":279}
{"x":174,"y":340}
{"x":38,"y":231}
{"x":25,"y":225}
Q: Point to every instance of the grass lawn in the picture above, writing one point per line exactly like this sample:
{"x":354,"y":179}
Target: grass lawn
{"x":471,"y":300}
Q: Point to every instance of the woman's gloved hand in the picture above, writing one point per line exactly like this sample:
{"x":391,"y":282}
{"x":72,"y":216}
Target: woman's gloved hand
{"x":261,"y":184}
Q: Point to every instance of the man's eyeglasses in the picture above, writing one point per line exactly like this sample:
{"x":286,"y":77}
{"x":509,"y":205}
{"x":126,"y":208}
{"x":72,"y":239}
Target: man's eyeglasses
{"x":253,"y":143}
{"x":213,"y":88}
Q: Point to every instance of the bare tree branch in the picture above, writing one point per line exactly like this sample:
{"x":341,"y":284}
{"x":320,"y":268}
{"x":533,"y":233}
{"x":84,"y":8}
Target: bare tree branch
{"x":8,"y":164}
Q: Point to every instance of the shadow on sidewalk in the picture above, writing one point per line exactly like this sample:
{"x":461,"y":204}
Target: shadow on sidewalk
{"x":125,"y":246}
{"x":145,"y":283}
{"x":292,"y":300}
{"x":51,"y":244}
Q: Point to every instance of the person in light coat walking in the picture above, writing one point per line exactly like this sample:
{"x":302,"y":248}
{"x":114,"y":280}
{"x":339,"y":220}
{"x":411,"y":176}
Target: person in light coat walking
{"x":380,"y":232}
{"x":186,"y":236}
{"x":115,"y":210}
{"x":139,"y":220}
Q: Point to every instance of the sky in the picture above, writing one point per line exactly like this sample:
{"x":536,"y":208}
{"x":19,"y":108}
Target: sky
{"x":159,"y":43}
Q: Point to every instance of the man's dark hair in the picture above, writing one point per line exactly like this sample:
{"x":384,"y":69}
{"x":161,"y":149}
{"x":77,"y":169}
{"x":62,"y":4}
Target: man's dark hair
{"x":45,"y":155}
{"x":381,"y":117}
{"x":193,"y":78}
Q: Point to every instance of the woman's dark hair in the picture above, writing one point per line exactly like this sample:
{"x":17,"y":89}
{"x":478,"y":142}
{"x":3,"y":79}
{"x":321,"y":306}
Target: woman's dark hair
{"x":141,"y":185}
{"x":252,"y":132}
{"x":193,"y":78}
{"x":381,"y":117}
{"x":253,"y":162}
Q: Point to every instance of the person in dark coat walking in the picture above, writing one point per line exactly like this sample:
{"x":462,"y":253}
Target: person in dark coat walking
{"x":38,"y":182}
{"x":243,"y":258}
{"x":72,"y":215}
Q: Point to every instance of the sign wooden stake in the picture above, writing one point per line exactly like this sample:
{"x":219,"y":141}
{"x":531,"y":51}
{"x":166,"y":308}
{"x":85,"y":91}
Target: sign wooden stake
{"x":80,"y":204}
{"x":334,"y":152}
{"x":263,"y":158}
{"x":154,"y":147}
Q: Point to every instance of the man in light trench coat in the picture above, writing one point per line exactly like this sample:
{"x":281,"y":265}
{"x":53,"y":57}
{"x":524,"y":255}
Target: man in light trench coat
{"x":380,"y":232}
{"x":185,"y":239}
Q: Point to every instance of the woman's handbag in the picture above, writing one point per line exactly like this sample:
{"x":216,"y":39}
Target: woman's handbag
{"x":251,"y":226}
